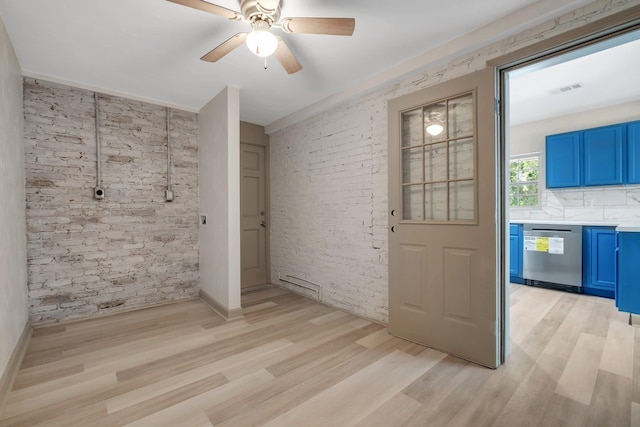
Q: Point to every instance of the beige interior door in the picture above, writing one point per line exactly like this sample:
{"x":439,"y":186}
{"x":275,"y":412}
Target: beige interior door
{"x":442,"y":239}
{"x":253,"y":215}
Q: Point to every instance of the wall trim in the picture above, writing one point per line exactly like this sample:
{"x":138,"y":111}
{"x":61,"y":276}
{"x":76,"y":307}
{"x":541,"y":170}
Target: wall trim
{"x":594,"y":32}
{"x":11,"y":371}
{"x":101,"y":90}
{"x":222,"y":311}
{"x":49,"y":324}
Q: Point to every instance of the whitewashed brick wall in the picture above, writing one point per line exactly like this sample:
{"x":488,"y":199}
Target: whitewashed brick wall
{"x":329,"y":196}
{"x":132,"y":249}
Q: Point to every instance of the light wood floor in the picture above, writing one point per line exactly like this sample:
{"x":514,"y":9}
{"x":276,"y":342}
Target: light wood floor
{"x":292,"y":362}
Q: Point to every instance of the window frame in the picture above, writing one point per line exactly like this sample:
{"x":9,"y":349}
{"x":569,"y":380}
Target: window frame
{"x":539,"y":182}
{"x":446,"y":140}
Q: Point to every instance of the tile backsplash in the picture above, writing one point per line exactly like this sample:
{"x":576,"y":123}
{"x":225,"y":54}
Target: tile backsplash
{"x":598,"y":204}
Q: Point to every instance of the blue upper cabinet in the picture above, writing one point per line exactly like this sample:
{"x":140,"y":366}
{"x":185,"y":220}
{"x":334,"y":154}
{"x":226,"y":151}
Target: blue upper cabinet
{"x":608,"y":155}
{"x":563,"y":159}
{"x":603,"y":154}
{"x":633,"y":145}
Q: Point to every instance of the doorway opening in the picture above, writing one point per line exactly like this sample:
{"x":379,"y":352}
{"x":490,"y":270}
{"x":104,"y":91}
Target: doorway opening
{"x":567,"y":184}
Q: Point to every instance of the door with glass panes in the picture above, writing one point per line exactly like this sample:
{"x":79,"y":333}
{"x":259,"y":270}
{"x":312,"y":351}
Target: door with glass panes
{"x":442,"y":239}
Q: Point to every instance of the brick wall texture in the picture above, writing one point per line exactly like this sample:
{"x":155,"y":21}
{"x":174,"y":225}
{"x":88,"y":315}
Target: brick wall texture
{"x":329,"y":198}
{"x":132,"y":249}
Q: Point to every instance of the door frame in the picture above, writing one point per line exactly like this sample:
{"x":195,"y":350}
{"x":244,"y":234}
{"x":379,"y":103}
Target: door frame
{"x":252,"y":134}
{"x":609,"y":27}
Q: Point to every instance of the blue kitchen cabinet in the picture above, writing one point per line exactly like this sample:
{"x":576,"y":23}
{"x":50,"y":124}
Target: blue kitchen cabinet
{"x":599,"y":266}
{"x":628,"y":284}
{"x":516,"y":243}
{"x":633,"y":157}
{"x":563,"y":160}
{"x":603,"y":155}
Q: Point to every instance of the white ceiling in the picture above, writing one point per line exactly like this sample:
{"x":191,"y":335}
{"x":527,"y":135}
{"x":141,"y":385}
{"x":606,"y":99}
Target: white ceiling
{"x":607,"y":76}
{"x":150,"y":49}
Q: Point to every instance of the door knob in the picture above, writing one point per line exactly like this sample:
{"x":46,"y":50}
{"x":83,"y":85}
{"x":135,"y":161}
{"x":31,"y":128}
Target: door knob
{"x":263,"y":224}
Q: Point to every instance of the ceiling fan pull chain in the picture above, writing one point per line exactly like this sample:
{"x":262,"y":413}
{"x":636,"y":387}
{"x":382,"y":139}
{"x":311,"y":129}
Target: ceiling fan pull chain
{"x":265,"y":62}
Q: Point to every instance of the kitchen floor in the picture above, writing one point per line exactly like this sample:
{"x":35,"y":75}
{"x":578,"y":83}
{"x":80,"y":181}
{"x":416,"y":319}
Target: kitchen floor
{"x":293,"y":362}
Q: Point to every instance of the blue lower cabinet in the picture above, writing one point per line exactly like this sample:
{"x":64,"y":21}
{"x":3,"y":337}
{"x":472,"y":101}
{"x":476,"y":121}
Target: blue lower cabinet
{"x":599,"y":266}
{"x":516,"y":243}
{"x":628,"y":292}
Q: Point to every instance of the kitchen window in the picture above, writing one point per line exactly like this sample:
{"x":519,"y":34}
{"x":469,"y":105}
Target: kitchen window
{"x":524,"y":172}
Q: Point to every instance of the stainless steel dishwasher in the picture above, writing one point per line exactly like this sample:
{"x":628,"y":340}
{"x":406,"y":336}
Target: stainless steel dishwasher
{"x":552,"y":254}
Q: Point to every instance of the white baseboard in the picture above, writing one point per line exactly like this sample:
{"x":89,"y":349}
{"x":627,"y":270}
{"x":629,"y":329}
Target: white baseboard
{"x":224,"y":312}
{"x":11,"y":371}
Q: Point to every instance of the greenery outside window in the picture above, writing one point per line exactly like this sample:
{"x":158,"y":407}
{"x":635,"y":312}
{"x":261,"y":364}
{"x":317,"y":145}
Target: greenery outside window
{"x":523,"y":181}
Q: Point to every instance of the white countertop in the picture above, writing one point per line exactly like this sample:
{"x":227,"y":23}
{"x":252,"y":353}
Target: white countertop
{"x":591,"y":223}
{"x":629,"y":228}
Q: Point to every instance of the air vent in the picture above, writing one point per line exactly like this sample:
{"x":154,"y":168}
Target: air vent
{"x":567,"y":88}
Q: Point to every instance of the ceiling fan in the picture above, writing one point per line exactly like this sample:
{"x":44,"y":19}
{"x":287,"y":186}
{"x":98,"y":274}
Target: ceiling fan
{"x":264,"y":15}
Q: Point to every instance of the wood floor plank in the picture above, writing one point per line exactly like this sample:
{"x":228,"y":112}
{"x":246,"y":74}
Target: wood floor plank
{"x":578,"y":379}
{"x":635,"y":414}
{"x":394,"y":412}
{"x":353,"y":399}
{"x":617,"y":356}
{"x":298,"y":385}
{"x":160,"y":401}
{"x":610,"y":403}
{"x":453,"y":395}
{"x":293,"y":362}
{"x":541,"y":334}
{"x":171,"y":382}
{"x":173,"y":415}
{"x":525,"y":317}
{"x":19,"y":407}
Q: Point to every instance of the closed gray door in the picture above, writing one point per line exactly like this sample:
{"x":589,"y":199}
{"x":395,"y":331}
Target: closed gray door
{"x":442,"y":237}
{"x":253,"y":221}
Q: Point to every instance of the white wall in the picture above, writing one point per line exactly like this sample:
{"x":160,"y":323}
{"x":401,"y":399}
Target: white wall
{"x":219,"y":164}
{"x":329,"y":197}
{"x":13,"y":246}
{"x":608,"y":204}
{"x":529,"y":137}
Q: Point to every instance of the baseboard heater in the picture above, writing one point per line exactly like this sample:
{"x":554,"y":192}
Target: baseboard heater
{"x":302,"y":283}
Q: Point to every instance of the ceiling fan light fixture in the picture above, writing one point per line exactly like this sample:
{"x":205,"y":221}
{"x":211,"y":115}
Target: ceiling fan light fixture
{"x":260,"y":41}
{"x":435,"y":129}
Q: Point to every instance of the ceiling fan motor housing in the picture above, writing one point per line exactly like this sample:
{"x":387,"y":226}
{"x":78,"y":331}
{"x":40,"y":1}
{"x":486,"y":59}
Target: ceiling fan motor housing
{"x":256,"y":10}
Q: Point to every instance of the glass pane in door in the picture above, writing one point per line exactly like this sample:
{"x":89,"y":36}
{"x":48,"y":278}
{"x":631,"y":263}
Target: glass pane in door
{"x":461,"y":201}
{"x":461,"y":117}
{"x":412,"y":128}
{"x":435,"y":162}
{"x":461,"y":159}
{"x":412,"y":165}
{"x":435,"y":202}
{"x":435,"y":122}
{"x":412,"y":207}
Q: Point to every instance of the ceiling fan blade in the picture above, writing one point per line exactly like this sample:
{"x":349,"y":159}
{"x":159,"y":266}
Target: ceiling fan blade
{"x":225,"y":47}
{"x":286,"y":58}
{"x":331,"y":26}
{"x":211,"y":8}
{"x":268,"y":6}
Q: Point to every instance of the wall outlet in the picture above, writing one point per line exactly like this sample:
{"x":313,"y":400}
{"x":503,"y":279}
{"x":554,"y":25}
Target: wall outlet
{"x":98,"y":193}
{"x":203,"y":220}
{"x":168,"y":195}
